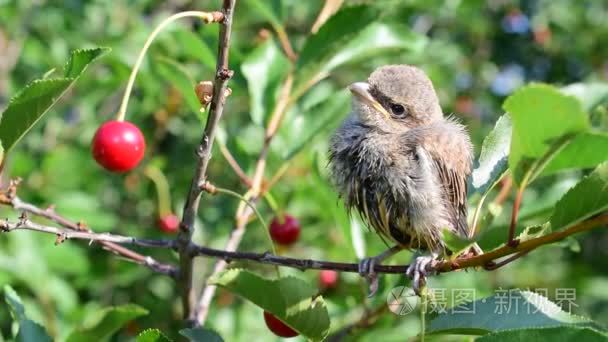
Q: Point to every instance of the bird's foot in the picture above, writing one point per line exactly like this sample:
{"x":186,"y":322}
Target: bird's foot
{"x":366,"y":270}
{"x":418,"y":271}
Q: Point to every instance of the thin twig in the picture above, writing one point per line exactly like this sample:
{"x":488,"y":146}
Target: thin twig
{"x":234,"y":164}
{"x":244,"y":212}
{"x":66,"y":234}
{"x":216,"y":109}
{"x":284,"y":41}
{"x":505,"y":189}
{"x":516,"y":204}
{"x":10,"y":198}
{"x":329,"y":8}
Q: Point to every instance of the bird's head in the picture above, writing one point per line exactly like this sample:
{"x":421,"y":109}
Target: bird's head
{"x":396,"y":97}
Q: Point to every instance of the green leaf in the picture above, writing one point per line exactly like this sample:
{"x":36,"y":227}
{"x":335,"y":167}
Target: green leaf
{"x":589,"y":94}
{"x":336,"y":33}
{"x":80,"y":60}
{"x":536,"y":210}
{"x":587,"y":198}
{"x":266,"y":9}
{"x":290,"y":299}
{"x":586,"y":150}
{"x":264,"y":68}
{"x":494,"y":154}
{"x":201,"y":335}
{"x":377,"y":39}
{"x":152,"y":335}
{"x":194,"y":47}
{"x":304,"y":127}
{"x":179,"y":77}
{"x":553,"y":334}
{"x":507,"y":310}
{"x":32,"y":102}
{"x":541,"y":117}
{"x":14,"y":302}
{"x":110,"y":320}
{"x":30,"y":331}
{"x":455,"y":242}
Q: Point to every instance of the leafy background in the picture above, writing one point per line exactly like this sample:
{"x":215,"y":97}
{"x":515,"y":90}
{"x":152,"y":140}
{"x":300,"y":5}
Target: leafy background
{"x":476,"y":52}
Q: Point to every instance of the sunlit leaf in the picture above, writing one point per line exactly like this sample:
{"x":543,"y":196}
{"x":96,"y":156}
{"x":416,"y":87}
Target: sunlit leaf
{"x":585,"y":199}
{"x":290,"y":299}
{"x":506,"y":310}
{"x":494,"y":154}
{"x":586,"y":150}
{"x":179,"y":78}
{"x":304,"y":127}
{"x":264,"y":68}
{"x":152,"y":335}
{"x":542,"y":117}
{"x":32,"y":102}
{"x":267,"y":9}
{"x":334,"y":35}
{"x":194,"y":47}
{"x":29,"y":330}
{"x":14,"y":302}
{"x":553,"y":334}
{"x":201,"y":335}
{"x":589,"y":94}
{"x":455,"y":242}
{"x":110,"y":321}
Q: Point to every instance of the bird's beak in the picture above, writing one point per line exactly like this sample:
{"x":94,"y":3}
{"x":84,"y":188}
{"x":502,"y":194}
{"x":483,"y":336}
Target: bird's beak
{"x":361,"y":91}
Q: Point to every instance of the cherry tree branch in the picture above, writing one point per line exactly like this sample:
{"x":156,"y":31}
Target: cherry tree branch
{"x":9,"y":198}
{"x":203,"y":152}
{"x":244,"y":212}
{"x":64,"y":234}
{"x":440,"y":267}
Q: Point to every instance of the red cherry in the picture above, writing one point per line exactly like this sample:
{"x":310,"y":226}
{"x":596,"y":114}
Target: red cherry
{"x":277,"y":326}
{"x":286,"y":232}
{"x":118,"y":146}
{"x":328,"y":279}
{"x":169,"y":223}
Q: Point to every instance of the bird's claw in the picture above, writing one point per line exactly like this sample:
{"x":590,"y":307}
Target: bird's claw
{"x":417,"y":271}
{"x":366,"y":270}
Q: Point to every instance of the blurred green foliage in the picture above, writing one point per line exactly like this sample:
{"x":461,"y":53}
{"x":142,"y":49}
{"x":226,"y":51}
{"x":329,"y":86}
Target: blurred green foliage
{"x":476,"y":53}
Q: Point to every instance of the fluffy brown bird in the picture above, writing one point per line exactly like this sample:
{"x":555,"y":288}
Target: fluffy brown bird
{"x":402,"y":165}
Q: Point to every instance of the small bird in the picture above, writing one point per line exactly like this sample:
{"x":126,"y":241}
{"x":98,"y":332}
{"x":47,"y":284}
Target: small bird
{"x":402,"y":166}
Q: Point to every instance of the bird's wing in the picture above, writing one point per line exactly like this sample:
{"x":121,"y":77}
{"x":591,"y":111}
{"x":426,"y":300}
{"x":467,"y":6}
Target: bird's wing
{"x":450,"y":151}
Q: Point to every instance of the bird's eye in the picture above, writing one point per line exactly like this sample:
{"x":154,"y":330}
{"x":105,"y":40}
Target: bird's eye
{"x":397,"y":109}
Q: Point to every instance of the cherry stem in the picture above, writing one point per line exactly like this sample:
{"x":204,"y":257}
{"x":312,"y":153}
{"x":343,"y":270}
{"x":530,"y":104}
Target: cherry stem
{"x":255,"y":210}
{"x":162,"y":189}
{"x":272,"y":203}
{"x":207,"y":18}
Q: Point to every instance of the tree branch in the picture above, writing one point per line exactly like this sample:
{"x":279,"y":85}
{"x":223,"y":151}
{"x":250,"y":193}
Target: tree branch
{"x":66,"y":234}
{"x":441,"y":267}
{"x":244,"y":212}
{"x":9,"y":198}
{"x":216,"y":109}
